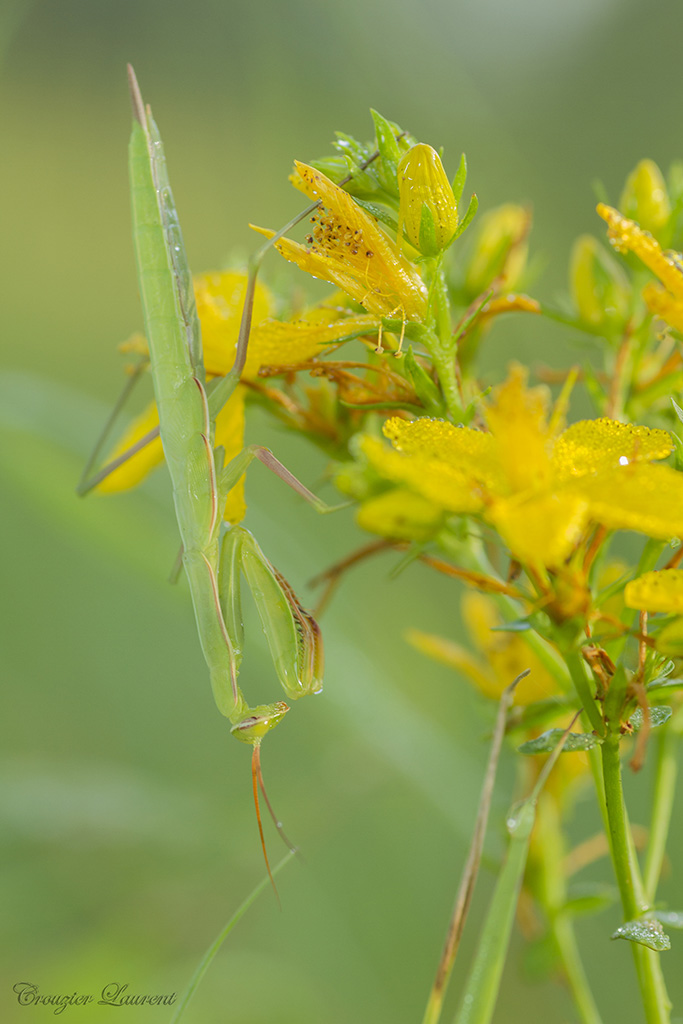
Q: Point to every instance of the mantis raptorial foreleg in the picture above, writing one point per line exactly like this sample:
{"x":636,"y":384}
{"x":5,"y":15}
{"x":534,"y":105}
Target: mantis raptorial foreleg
{"x":293,"y":635}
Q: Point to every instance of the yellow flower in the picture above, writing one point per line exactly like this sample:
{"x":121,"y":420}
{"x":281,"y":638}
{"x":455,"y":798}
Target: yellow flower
{"x":540,"y":491}
{"x":400,"y":514}
{"x":666,"y":299}
{"x":220,"y":297}
{"x":502,"y":655}
{"x":658,"y":591}
{"x":428,"y":212}
{"x":348,"y":248}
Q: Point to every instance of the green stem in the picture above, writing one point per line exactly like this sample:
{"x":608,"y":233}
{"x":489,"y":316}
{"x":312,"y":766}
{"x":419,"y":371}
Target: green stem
{"x":444,"y":327}
{"x":481,"y":988}
{"x":565,"y":937}
{"x":443,"y":357}
{"x":578,"y":670}
{"x":551,"y":892}
{"x":471,"y":870}
{"x":595,"y":763}
{"x":662,"y":806}
{"x":655,"y":1000}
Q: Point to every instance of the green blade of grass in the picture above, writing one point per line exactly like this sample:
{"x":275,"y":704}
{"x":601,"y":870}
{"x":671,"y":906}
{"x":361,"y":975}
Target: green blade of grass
{"x":211,"y":952}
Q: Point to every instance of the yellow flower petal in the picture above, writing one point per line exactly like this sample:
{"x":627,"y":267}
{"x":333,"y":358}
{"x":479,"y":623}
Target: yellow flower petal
{"x":660,"y":302}
{"x":518,"y":417}
{"x":626,"y":234}
{"x":507,"y":654}
{"x":230,"y":434}
{"x":593,"y":446}
{"x":136,"y":468}
{"x":469,"y":452}
{"x":400,"y":514}
{"x":656,"y":591}
{"x":513,"y":302}
{"x":278,"y":342}
{"x":348,"y":248}
{"x":220,"y":298}
{"x":444,"y":485}
{"x":543,"y":529}
{"x":645,"y":498}
{"x":480,"y":615}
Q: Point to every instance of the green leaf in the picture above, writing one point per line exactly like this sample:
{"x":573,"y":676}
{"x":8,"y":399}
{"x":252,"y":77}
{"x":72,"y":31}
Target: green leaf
{"x":590,"y":899}
{"x":547,"y":742}
{"x":380,"y":213}
{"x":472,"y":208}
{"x":665,"y":688}
{"x":659,"y":714}
{"x":459,"y":179}
{"x":594,"y":388}
{"x":665,"y":669}
{"x":389,"y":154}
{"x":428,"y":243}
{"x":677,"y":409}
{"x":678,"y":449}
{"x":208,"y":957}
{"x":425,"y":388}
{"x":646,"y":932}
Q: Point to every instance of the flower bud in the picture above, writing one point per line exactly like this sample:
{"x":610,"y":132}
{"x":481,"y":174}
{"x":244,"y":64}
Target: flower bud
{"x":599,"y":286}
{"x":428,"y":212}
{"x":500,"y":249}
{"x":645,"y":198}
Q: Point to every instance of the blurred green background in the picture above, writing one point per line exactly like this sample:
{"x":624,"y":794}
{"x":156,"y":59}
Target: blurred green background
{"x":127,"y":827}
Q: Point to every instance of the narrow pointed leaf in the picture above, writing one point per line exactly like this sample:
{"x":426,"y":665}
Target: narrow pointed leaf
{"x":659,"y":714}
{"x":459,"y":179}
{"x":547,"y":741}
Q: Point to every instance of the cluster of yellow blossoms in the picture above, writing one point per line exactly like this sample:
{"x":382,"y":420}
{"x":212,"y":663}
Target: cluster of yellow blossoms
{"x":550,"y":494}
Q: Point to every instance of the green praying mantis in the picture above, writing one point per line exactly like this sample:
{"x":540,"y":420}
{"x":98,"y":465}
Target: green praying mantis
{"x":214,"y":553}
